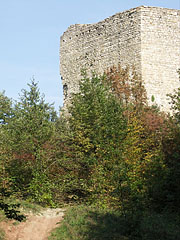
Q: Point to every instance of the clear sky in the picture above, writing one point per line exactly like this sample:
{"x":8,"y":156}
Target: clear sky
{"x":30,"y":33}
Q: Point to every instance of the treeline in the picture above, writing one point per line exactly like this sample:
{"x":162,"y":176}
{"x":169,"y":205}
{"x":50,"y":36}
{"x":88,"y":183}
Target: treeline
{"x":110,"y":149}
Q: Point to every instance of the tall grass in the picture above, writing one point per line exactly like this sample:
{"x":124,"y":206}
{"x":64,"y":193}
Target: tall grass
{"x":88,"y":223}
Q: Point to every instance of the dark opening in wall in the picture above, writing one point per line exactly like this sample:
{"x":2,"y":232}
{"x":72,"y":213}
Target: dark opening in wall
{"x":65,"y":90}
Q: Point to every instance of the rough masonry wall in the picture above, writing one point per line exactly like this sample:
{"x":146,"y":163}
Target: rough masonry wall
{"x":160,"y":52}
{"x":96,"y":47}
{"x":145,"y":37}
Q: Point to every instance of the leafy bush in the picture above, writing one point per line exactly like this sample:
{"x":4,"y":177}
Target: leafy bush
{"x":10,"y":210}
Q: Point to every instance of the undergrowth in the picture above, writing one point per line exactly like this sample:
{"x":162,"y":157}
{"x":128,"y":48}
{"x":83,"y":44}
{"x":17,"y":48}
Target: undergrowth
{"x":91,"y":223}
{"x":25,"y":205}
{"x":2,"y":235}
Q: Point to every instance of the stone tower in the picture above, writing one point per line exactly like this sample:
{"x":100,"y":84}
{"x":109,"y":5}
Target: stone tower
{"x":147,"y":38}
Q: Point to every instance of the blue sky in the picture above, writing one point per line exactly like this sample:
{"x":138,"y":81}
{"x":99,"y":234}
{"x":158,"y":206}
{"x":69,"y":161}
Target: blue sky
{"x":30,"y":33}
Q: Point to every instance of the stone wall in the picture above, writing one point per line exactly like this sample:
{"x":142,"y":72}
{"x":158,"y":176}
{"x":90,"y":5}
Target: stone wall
{"x":160,"y":52}
{"x":145,"y":37}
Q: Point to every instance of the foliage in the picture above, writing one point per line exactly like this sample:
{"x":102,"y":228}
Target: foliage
{"x":126,"y":84}
{"x":114,"y":148}
{"x":10,"y":210}
{"x":6,"y":113}
{"x":32,"y":124}
{"x":28,"y":131}
{"x":111,"y":150}
{"x":169,"y":188}
{"x":97,"y":129}
{"x":175,"y":104}
{"x":6,"y":110}
{"x":87,"y":223}
{"x":160,"y":226}
{"x":143,"y":161}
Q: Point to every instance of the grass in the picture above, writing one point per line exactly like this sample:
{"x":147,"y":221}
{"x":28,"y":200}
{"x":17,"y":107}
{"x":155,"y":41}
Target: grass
{"x":2,"y":235}
{"x":84,"y":223}
{"x":88,"y":223}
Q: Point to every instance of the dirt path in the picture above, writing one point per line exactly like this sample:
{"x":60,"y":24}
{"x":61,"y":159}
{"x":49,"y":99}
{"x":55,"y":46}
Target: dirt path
{"x":36,"y":227}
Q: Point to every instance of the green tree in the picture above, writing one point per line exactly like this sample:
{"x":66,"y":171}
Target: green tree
{"x":170,"y":197}
{"x":31,"y":127}
{"x":6,"y":113}
{"x":97,"y":127}
{"x":6,"y":110}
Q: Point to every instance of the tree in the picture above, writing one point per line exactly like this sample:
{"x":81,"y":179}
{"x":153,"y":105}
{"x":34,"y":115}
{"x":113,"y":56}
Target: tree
{"x":30,"y":128}
{"x":32,"y":124}
{"x":6,"y":113}
{"x":97,"y":127}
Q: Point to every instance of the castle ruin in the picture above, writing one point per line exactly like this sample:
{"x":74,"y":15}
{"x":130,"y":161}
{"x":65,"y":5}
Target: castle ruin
{"x":147,"y":38}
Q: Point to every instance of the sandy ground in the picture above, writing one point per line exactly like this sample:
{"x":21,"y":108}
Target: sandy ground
{"x":36,"y":227}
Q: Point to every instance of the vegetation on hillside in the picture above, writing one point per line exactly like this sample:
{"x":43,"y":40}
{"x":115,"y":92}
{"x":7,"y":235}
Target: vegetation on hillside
{"x":112,"y":152}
